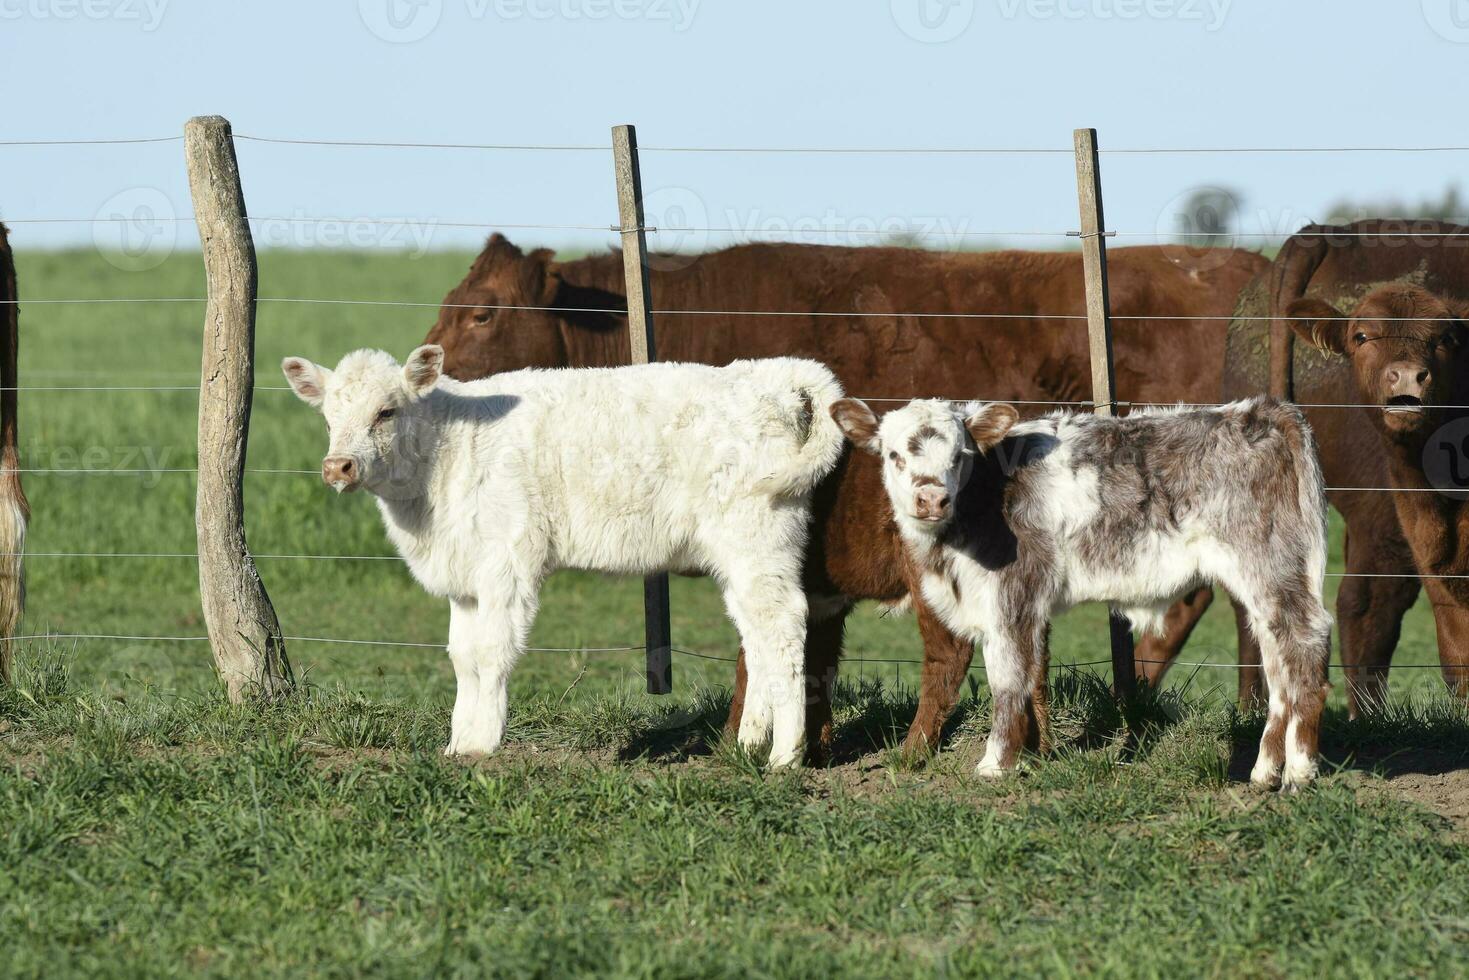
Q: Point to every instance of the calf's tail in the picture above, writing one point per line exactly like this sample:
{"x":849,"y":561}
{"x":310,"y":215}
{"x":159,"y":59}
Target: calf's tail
{"x":813,"y":437}
{"x":1311,"y":491}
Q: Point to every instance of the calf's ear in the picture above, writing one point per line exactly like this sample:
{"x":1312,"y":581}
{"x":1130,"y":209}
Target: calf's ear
{"x":857,"y":422}
{"x":1460,"y":330}
{"x":307,"y":380}
{"x":1319,"y":324}
{"x":989,"y":424}
{"x":423,"y":368}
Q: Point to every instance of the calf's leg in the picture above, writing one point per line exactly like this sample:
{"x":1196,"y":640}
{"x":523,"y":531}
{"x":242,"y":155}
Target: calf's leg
{"x":466,"y":673}
{"x":769,"y":610}
{"x":1452,"y":622}
{"x":1294,"y":633}
{"x":1038,"y":735}
{"x":946,"y":660}
{"x":1380,"y":587}
{"x":1011,"y":656}
{"x":495,"y":640}
{"x":823,"y":656}
{"x":1251,"y":691}
{"x":737,"y":697}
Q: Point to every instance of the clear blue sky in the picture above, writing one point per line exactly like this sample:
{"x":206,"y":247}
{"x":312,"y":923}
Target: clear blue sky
{"x":931,"y":73}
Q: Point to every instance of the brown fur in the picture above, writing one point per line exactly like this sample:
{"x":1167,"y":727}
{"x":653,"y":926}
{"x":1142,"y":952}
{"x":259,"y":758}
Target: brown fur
{"x":1340,"y":265}
{"x":14,"y":508}
{"x":1025,"y":357}
{"x":1422,"y":337}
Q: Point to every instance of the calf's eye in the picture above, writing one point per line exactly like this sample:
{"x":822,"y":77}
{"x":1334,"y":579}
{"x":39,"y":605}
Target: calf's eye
{"x":1359,"y":337}
{"x":893,"y":455}
{"x":384,"y":415}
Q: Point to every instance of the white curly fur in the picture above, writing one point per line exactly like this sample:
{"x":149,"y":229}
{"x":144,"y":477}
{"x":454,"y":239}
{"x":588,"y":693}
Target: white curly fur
{"x":487,"y":487}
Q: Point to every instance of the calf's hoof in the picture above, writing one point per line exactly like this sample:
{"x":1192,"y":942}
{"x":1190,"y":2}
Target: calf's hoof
{"x":1264,"y":775}
{"x":787,"y":758}
{"x":465,"y":749}
{"x":916,"y":750}
{"x":990,"y":769}
{"x":1297,"y":778}
{"x":755,"y":729}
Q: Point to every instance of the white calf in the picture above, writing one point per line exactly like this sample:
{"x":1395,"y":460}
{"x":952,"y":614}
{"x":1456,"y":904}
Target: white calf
{"x":487,"y":487}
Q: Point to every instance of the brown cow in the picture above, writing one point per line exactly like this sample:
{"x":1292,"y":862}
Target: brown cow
{"x":1407,"y":353}
{"x":884,"y":319}
{"x":15,"y":511}
{"x":1340,"y":264}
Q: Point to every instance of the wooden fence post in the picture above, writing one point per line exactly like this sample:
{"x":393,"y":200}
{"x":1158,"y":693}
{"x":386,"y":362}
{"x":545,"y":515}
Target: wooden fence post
{"x":1099,"y":336}
{"x":657,"y":633}
{"x":249,"y":651}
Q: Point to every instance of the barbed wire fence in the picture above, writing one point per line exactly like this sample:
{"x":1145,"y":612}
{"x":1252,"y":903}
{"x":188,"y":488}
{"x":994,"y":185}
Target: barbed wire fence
{"x":657,"y":640}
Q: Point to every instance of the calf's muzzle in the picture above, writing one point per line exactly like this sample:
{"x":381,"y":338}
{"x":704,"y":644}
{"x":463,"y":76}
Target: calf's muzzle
{"x":340,"y":473}
{"x":1404,"y":391}
{"x":930,"y":503}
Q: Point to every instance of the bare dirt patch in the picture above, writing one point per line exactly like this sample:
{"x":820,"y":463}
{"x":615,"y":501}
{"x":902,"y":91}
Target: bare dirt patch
{"x":1445,"y":793}
{"x":1433,"y":778}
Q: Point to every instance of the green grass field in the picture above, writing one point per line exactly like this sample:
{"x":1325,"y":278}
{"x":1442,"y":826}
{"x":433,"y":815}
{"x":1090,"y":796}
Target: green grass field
{"x":151,"y":829}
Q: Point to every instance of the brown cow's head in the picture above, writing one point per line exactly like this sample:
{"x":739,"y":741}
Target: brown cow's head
{"x":480,"y":336}
{"x":1409,"y":350}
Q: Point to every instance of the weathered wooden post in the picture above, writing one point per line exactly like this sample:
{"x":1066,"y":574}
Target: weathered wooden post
{"x":249,"y":652}
{"x":657,"y":632}
{"x":1099,"y":335}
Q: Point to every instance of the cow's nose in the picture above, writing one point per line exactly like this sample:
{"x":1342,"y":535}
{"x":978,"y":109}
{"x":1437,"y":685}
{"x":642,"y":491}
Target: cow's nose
{"x":339,"y":472}
{"x":1407,"y":379}
{"x":931,"y":503}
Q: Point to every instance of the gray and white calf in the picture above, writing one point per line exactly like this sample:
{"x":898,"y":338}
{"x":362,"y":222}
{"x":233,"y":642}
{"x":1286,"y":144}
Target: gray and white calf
{"x":1010,"y":524}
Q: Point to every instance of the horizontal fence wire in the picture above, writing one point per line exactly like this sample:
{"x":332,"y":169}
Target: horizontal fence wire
{"x":911,"y":314}
{"x":168,"y":470}
{"x":146,"y":471}
{"x":636,"y":648}
{"x":833,"y":150}
{"x":397,"y":558}
{"x":92,"y":142}
{"x":757,"y":237}
{"x":855,"y":150}
{"x":1060,"y":403}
